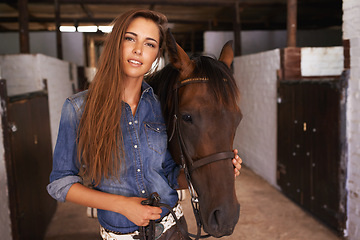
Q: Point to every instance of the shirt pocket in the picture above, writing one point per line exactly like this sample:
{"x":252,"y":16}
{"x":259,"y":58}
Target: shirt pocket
{"x":156,"y":136}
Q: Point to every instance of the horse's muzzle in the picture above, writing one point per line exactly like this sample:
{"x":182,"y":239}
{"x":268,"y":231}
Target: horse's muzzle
{"x":221,"y":222}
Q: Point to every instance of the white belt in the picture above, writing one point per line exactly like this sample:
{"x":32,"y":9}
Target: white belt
{"x":168,"y":221}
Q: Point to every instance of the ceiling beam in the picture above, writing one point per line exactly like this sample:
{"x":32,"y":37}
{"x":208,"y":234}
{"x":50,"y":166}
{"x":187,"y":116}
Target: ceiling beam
{"x":135,"y":2}
{"x":97,"y":20}
{"x":86,"y":10}
{"x":15,"y":6}
{"x":4,"y":29}
{"x":166,"y":2}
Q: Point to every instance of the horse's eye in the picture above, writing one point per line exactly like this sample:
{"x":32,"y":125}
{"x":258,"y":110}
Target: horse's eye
{"x":187,"y":118}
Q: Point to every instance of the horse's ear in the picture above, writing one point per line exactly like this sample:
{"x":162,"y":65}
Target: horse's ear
{"x":227,"y":54}
{"x":178,"y":57}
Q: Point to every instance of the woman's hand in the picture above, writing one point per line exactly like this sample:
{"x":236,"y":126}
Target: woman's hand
{"x":237,"y":163}
{"x":130,"y":207}
{"x":140,"y":214}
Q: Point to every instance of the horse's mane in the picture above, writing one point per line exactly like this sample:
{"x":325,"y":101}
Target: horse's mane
{"x":221,"y":81}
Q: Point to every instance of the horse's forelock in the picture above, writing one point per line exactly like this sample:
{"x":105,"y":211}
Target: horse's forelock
{"x":221,"y":80}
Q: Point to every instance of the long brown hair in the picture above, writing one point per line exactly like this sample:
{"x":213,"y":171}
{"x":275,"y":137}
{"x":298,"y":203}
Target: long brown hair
{"x":100,"y":142}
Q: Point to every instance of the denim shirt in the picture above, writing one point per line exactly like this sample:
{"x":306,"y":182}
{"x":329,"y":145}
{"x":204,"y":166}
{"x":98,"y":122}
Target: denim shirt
{"x":148,"y":167}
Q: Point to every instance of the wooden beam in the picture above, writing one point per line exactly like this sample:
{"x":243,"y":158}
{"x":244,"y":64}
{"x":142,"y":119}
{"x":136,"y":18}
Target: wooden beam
{"x":291,"y":22}
{"x":14,"y":5}
{"x":99,"y":20}
{"x":24,"y":26}
{"x":237,"y":30}
{"x":87,"y":11}
{"x":141,"y":2}
{"x":58,"y":33}
{"x":2,"y":28}
{"x":248,"y":3}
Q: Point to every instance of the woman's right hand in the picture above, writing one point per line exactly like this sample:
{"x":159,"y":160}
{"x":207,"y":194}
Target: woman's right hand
{"x":130,"y":207}
{"x":138,"y":213}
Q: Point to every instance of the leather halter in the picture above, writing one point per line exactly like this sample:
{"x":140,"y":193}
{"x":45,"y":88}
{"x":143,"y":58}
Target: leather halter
{"x":205,"y":160}
{"x":184,"y":154}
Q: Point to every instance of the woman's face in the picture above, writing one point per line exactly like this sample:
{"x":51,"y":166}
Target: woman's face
{"x":140,"y":47}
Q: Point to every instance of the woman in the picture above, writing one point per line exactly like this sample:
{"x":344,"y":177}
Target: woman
{"x":104,"y":128}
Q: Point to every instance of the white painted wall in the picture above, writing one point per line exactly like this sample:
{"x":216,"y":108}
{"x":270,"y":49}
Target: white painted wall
{"x":327,"y":61}
{"x":5,"y":221}
{"x":25,"y":73}
{"x":45,"y":43}
{"x":351,"y":31}
{"x":260,"y":41}
{"x":256,"y":137}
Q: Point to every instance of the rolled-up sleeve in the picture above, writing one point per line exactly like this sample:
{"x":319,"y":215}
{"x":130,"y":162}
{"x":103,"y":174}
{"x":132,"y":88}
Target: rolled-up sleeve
{"x":59,"y":188}
{"x":65,"y":164}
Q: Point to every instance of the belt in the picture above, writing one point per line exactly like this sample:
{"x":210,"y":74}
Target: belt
{"x":165,"y":224}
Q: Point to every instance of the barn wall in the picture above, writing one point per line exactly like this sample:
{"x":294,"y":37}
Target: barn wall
{"x":260,"y":41}
{"x":351,"y":32}
{"x":256,"y":76}
{"x":45,"y":43}
{"x":327,"y":61}
{"x":256,"y":136}
{"x":25,"y":73}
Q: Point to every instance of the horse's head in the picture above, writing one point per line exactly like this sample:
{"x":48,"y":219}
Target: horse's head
{"x":207,"y":116}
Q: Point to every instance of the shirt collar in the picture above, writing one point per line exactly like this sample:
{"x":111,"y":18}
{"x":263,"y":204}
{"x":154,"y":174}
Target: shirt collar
{"x":147,"y":89}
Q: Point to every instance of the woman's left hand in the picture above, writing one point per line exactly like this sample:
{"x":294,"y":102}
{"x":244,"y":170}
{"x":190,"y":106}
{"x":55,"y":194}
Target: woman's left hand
{"x":237,"y":163}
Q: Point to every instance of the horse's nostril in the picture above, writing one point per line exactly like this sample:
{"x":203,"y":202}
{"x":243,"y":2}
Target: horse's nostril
{"x":221,"y":223}
{"x":216,"y":216}
{"x":215,"y":219}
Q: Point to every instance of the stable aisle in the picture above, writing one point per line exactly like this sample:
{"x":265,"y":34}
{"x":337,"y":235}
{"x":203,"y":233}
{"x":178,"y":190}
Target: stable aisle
{"x":265,"y":214}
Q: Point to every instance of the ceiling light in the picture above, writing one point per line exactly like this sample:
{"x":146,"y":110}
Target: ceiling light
{"x":87,"y":28}
{"x":67,"y":29}
{"x":105,"y":29}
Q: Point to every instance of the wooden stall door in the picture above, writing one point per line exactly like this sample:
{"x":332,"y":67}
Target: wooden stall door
{"x":30,"y":149}
{"x":310,"y":118}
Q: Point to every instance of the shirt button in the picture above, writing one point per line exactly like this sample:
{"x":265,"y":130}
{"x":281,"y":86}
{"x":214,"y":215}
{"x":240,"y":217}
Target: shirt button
{"x":143,"y":191}
{"x":135,"y":121}
{"x":130,"y":123}
{"x":138,"y":170}
{"x":135,"y":146}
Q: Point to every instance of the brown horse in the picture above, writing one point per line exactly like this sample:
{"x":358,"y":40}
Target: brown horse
{"x":198,"y":98}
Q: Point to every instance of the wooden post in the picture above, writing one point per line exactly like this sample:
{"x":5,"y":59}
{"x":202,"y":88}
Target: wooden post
{"x":291,"y":22}
{"x":92,"y":60}
{"x":24,"y":26}
{"x":192,"y":41}
{"x":58,"y":33}
{"x":237,"y":30}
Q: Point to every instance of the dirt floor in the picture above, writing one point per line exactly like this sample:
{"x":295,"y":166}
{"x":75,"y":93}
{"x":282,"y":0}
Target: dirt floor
{"x":265,"y":214}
